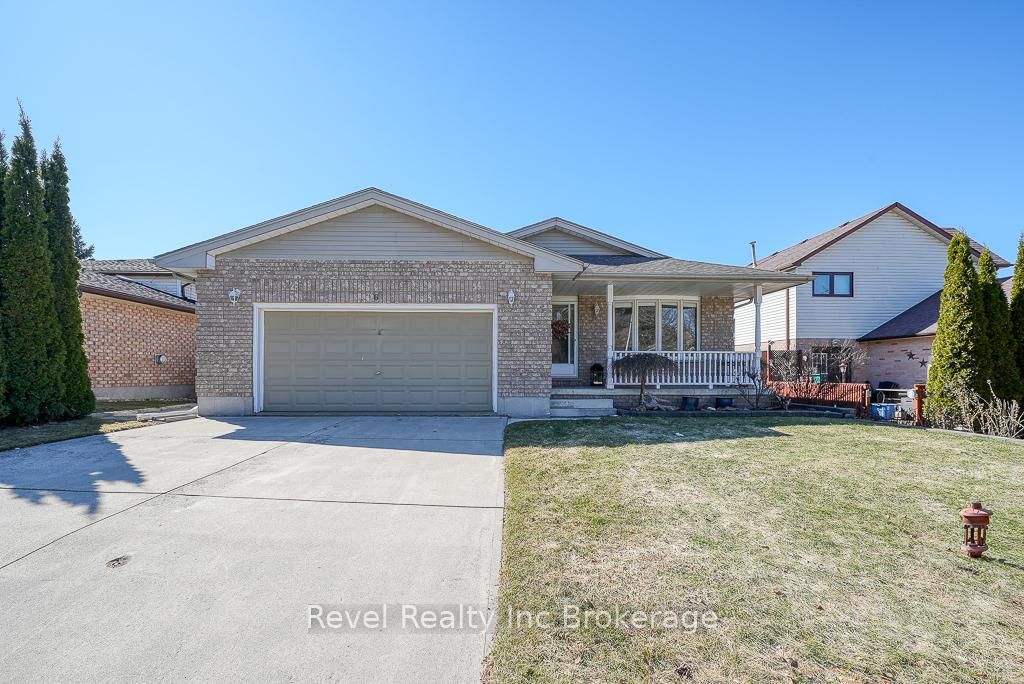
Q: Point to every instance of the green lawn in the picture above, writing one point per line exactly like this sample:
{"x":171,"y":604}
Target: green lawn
{"x":30,"y":435}
{"x":827,"y":551}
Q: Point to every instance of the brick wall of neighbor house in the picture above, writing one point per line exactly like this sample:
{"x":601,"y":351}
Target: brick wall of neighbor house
{"x":717,"y":324}
{"x":224,"y":352}
{"x":887,"y":360}
{"x":122,"y":340}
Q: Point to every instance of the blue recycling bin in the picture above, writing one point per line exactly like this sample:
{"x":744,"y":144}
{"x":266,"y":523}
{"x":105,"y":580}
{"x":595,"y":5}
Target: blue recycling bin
{"x":884,"y":411}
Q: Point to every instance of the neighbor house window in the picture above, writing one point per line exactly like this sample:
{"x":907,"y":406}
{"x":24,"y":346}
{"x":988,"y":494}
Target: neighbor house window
{"x":833,"y":284}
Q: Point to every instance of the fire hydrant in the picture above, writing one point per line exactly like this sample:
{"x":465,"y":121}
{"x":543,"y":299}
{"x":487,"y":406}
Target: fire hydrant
{"x":975,"y":520}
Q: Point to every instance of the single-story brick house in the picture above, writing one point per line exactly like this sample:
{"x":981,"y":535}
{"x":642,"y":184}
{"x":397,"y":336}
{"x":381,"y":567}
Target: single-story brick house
{"x":139,"y":322}
{"x":374,"y":303}
{"x":900,"y":350}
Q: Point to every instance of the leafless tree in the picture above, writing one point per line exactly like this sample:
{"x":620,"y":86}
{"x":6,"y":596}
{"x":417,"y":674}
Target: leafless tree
{"x":641,"y":367}
{"x":988,"y":416}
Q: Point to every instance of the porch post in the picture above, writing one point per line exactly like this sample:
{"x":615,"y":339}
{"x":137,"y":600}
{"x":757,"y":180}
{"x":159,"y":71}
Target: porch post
{"x":758,"y":294}
{"x":609,"y":382}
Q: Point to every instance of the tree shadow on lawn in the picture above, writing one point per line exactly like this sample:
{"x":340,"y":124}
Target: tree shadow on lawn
{"x":632,"y":430}
{"x":72,"y":471}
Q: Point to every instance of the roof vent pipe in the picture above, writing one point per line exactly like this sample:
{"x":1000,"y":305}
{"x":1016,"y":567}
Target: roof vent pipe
{"x":753,"y":252}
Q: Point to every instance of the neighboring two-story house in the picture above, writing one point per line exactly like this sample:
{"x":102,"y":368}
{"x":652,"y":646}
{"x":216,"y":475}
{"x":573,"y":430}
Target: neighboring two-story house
{"x":866,"y":272}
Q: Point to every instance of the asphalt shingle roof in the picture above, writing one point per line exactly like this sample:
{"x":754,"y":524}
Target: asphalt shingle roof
{"x":116,"y":286}
{"x":922,"y":319}
{"x":122,"y":266}
{"x":649,"y":266}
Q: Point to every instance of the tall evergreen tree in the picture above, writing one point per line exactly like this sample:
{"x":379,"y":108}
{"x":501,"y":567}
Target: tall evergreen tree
{"x":955,"y":360}
{"x":3,"y":364}
{"x":82,"y":250}
{"x":1017,"y":310}
{"x":78,"y":399}
{"x":998,"y":331}
{"x":31,"y":334}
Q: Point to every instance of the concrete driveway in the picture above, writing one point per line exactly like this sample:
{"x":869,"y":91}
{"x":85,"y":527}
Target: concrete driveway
{"x":230,"y":529}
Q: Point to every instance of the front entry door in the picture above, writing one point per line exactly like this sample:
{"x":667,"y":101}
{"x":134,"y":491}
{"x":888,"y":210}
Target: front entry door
{"x":563,"y":339}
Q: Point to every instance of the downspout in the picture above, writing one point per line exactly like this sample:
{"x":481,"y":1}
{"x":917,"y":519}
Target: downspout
{"x":787,"y":321}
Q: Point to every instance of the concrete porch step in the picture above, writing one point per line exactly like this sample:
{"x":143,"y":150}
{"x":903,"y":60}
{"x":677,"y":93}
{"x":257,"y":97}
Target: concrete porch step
{"x":580,"y":403}
{"x":581,"y":412}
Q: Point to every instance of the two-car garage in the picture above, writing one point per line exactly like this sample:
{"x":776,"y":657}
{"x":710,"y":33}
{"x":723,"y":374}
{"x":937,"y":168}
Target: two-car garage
{"x":366,"y":361}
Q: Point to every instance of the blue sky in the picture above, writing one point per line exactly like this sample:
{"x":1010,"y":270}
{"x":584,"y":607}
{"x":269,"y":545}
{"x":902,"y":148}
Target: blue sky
{"x":688,"y":128}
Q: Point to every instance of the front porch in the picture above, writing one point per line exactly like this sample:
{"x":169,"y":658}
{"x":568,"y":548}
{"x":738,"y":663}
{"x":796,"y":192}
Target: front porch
{"x":689,"y":322}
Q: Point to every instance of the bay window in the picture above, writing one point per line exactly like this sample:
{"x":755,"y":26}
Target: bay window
{"x":655,"y":325}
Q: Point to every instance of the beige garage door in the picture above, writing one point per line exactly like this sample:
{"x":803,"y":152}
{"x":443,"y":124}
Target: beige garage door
{"x":377,"y":362}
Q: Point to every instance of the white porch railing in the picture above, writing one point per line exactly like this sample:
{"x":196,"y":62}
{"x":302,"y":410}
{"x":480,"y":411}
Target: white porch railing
{"x":693,"y":368}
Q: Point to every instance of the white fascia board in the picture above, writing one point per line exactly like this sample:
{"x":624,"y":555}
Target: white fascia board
{"x":585,"y":233}
{"x":200,"y":255}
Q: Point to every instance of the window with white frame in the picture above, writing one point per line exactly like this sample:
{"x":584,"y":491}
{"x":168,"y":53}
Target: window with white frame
{"x":655,"y":325}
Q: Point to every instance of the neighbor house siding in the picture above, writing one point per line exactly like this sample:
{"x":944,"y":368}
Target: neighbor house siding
{"x":168,"y":285}
{"x":773,"y":320}
{"x":895,"y":264}
{"x":566,"y":243}
{"x":122,"y":340}
{"x":225,"y":330}
{"x":374,"y":233}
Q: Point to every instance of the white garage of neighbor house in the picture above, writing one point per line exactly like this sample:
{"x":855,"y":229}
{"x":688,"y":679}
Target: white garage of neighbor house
{"x":372,"y":303}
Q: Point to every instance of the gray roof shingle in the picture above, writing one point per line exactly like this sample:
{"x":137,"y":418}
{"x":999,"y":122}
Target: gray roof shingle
{"x":122,"y":266}
{"x":123,"y":288}
{"x":648,"y":266}
{"x":920,"y":320}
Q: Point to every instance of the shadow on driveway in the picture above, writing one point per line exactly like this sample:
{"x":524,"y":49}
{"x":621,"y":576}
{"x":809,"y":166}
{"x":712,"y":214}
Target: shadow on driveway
{"x":71,"y":471}
{"x":467,"y":435}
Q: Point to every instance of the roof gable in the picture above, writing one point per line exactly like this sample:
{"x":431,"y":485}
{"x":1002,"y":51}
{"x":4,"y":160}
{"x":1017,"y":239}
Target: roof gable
{"x":583,"y":236}
{"x":375,"y":233}
{"x":203,"y":254}
{"x":797,"y":254}
{"x":564,"y":242}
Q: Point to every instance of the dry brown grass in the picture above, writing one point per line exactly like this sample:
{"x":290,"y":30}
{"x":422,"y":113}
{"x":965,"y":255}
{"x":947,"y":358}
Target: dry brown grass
{"x":829,"y":551}
{"x":30,"y":435}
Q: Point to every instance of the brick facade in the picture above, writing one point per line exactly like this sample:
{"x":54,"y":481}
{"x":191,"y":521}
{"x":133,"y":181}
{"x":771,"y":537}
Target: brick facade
{"x":717,"y":324}
{"x":888,"y":361}
{"x":122,"y":339}
{"x":224,"y":353}
{"x":593,"y":334}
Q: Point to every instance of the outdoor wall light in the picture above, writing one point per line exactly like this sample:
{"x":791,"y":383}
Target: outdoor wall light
{"x":597,"y":309}
{"x":234,"y":294}
{"x":511,"y":294}
{"x":160,"y":359}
